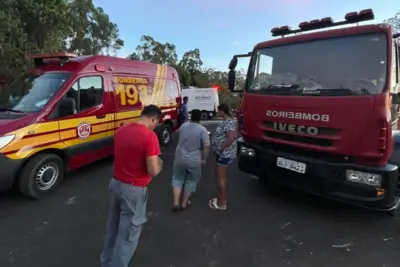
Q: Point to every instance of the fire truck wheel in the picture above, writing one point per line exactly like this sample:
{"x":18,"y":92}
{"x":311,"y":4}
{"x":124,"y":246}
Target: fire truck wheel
{"x":204,"y":115}
{"x":41,"y":176}
{"x":165,"y":135}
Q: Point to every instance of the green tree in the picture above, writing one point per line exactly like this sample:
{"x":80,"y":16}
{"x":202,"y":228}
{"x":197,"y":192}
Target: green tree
{"x":189,"y":69}
{"x":153,"y":51}
{"x":395,"y":22}
{"x":91,"y":31}
{"x":191,"y":60}
{"x":29,"y":26}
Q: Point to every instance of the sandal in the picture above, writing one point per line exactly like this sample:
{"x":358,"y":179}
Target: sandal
{"x":175,"y":208}
{"x":213,"y":204}
{"x":189,"y":204}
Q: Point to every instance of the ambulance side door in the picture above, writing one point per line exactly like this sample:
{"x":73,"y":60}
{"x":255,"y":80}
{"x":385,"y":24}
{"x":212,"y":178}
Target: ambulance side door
{"x":87,"y":133}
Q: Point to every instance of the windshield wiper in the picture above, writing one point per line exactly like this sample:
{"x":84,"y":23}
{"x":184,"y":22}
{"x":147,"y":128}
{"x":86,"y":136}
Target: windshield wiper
{"x":11,"y":110}
{"x":278,"y":88}
{"x":336,"y":91}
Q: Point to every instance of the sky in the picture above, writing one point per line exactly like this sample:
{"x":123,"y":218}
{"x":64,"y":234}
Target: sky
{"x":223,"y":28}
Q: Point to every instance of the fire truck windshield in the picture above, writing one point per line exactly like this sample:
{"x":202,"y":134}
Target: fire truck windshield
{"x":31,"y":93}
{"x":354,"y":65}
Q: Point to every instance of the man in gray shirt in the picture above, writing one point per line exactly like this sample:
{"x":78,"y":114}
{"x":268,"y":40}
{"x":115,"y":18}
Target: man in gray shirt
{"x":191,"y":153}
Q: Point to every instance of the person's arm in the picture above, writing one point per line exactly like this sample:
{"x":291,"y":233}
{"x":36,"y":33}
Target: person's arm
{"x":185,"y":112}
{"x":153,"y":162}
{"x":205,"y":139}
{"x":230,"y":134}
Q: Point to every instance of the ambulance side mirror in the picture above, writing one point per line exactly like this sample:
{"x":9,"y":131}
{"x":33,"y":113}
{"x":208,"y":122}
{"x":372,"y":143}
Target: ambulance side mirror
{"x":67,"y":106}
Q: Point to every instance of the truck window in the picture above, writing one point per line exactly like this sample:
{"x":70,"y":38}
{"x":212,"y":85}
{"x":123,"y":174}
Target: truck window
{"x":343,"y":65}
{"x":87,"y":92}
{"x":32,"y":92}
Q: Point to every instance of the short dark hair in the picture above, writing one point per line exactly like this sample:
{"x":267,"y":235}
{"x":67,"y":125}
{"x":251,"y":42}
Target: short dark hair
{"x":151,"y":111}
{"x":195,"y":115}
{"x":225,"y":109}
{"x":185,"y":98}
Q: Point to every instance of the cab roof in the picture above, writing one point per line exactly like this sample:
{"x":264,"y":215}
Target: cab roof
{"x":73,"y":63}
{"x":339,"y":32}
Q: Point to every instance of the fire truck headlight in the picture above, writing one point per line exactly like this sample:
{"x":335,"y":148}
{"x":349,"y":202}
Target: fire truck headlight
{"x":246,"y":151}
{"x":364,"y":178}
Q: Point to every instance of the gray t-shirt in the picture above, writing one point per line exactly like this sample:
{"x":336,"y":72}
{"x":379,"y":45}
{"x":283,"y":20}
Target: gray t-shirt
{"x":192,"y":138}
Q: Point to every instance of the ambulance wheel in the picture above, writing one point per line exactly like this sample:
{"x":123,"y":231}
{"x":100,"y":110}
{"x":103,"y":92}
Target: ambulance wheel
{"x":204,"y":115}
{"x":41,"y":176}
{"x":165,"y":135}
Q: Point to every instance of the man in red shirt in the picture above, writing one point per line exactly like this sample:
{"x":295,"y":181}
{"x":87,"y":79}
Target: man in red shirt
{"x":136,"y":160}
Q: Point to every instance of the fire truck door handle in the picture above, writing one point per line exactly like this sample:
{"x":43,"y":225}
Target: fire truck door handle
{"x":100,"y":116}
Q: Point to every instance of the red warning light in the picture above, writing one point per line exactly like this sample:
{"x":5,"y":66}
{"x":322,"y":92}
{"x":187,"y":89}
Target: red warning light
{"x":216,"y":87}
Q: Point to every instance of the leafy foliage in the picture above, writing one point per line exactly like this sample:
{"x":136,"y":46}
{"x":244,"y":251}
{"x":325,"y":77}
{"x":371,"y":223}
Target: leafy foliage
{"x":32,"y":26}
{"x":395,"y":22}
{"x":189,"y":68}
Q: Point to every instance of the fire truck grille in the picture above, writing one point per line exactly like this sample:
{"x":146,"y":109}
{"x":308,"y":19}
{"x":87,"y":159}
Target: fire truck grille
{"x":295,"y":138}
{"x":299,"y":139}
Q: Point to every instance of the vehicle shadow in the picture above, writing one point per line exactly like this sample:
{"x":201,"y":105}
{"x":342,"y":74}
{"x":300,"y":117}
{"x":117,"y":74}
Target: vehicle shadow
{"x":13,"y":197}
{"x":290,"y":198}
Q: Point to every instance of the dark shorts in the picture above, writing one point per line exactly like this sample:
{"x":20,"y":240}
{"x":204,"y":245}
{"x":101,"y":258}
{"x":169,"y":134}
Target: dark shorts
{"x":224,"y":161}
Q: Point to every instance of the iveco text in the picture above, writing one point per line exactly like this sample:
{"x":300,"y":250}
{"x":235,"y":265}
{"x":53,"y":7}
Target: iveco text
{"x":297,"y":115}
{"x":302,"y":129}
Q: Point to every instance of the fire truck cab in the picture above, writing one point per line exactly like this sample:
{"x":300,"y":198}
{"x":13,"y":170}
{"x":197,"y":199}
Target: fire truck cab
{"x":320,"y":110}
{"x":63,"y":113}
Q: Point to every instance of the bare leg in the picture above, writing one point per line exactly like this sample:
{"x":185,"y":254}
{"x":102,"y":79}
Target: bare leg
{"x":220,"y":175}
{"x":185,"y":198}
{"x":177,"y":195}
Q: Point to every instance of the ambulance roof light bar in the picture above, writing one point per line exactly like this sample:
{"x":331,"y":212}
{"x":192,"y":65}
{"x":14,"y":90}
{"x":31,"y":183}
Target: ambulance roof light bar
{"x":39,"y":59}
{"x":352,"y":17}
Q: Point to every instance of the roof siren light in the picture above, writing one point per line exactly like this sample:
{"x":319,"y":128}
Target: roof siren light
{"x":277,"y":31}
{"x":363,"y":15}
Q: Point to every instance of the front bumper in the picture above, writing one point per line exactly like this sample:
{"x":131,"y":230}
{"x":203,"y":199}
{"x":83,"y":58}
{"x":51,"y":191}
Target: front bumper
{"x":9,"y":169}
{"x":323,"y":177}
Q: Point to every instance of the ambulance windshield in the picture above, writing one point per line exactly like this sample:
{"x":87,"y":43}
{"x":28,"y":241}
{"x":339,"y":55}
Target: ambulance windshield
{"x":31,"y":93}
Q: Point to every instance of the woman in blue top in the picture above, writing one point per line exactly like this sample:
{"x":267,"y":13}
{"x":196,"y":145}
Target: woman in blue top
{"x":223,"y":145}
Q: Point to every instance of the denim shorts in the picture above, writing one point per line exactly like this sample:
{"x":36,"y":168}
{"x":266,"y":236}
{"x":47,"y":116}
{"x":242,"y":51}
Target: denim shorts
{"x":224,"y":161}
{"x":186,"y":177}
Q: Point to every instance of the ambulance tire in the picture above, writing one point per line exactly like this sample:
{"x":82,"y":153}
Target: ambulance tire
{"x":35,"y":169}
{"x":204,"y":115}
{"x":165,"y":135}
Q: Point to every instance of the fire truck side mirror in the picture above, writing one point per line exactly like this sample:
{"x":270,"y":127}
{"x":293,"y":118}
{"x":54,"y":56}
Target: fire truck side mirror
{"x":231,"y":80}
{"x":233,"y":63}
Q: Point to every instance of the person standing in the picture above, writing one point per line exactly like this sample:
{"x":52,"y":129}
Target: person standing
{"x":136,"y":161}
{"x":183,"y":111}
{"x":191,"y":153}
{"x":224,"y":146}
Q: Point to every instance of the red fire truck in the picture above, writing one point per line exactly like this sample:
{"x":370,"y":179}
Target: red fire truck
{"x":319,"y":110}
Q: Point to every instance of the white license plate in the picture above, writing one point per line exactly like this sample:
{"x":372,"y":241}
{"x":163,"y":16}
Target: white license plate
{"x":291,"y":165}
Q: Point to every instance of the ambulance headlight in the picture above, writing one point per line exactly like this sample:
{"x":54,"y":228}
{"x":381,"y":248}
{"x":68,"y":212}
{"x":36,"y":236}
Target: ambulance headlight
{"x":364,"y":178}
{"x":5,"y":140}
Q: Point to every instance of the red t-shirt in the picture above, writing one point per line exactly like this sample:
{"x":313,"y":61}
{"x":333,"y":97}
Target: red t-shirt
{"x":133,"y":144}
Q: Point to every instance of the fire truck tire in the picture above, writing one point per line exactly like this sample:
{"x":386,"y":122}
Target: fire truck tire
{"x":165,"y":135}
{"x":41,"y":176}
{"x":204,"y":115}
